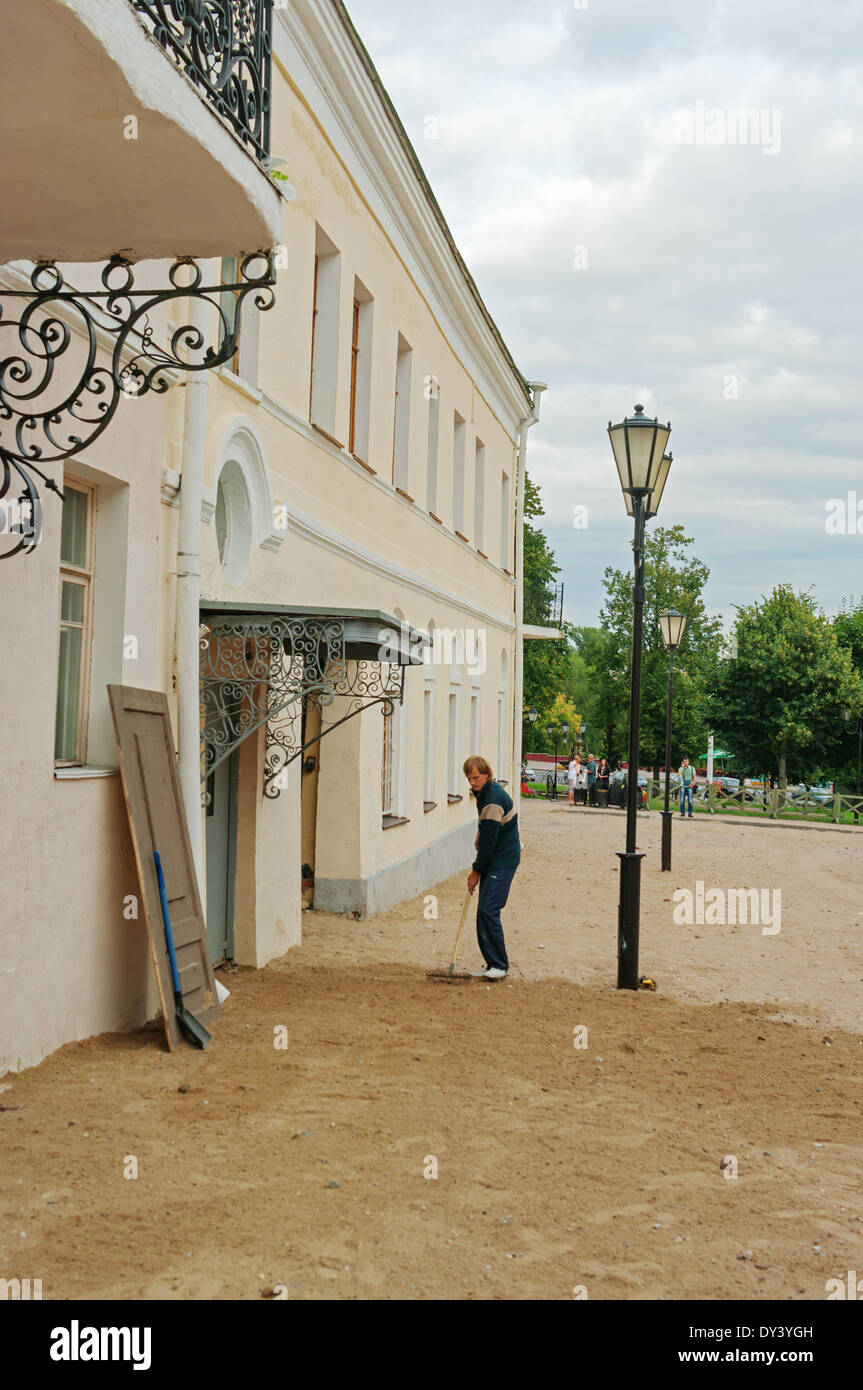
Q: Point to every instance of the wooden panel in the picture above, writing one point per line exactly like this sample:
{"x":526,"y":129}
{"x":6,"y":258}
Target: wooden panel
{"x":151,"y":786}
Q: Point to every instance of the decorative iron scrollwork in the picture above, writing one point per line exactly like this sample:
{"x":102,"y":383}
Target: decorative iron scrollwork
{"x":75,"y":353}
{"x":363,"y":684}
{"x":258,"y":671}
{"x":253,"y":669}
{"x":225,"y":48}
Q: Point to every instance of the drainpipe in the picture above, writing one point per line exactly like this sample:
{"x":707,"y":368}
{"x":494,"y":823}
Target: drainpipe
{"x":536,"y":390}
{"x":189,"y":594}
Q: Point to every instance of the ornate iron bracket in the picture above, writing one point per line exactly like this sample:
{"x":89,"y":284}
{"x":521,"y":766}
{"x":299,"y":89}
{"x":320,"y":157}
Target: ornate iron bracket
{"x":252,"y":670}
{"x":75,"y":353}
{"x":257,"y":671}
{"x":371,"y":683}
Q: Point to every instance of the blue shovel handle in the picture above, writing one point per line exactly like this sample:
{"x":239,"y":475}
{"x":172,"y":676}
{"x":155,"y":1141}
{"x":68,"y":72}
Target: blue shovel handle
{"x":166,"y":917}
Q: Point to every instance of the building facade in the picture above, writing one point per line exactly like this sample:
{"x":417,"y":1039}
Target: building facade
{"x":312,"y":547}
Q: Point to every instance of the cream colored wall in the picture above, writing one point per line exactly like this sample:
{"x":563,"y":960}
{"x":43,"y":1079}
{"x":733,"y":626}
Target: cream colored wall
{"x":77,"y":966}
{"x":352,"y":541}
{"x":73,"y":964}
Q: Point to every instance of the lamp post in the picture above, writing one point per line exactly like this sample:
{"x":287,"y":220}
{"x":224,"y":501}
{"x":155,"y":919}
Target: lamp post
{"x":854,"y":724}
{"x":672,"y":625}
{"x":532,"y":716}
{"x":639,"y":446}
{"x":550,"y":733}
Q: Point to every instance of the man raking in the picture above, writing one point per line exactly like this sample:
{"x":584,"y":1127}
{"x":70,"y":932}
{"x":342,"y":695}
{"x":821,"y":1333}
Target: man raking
{"x":498,"y":853}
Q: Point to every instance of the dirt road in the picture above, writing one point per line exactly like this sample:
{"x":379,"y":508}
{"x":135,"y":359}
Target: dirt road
{"x":310,"y":1169}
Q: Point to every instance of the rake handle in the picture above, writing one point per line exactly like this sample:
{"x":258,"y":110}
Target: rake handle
{"x":460,"y":930}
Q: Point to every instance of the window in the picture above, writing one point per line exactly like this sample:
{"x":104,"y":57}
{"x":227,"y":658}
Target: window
{"x":479,"y":497}
{"x":458,"y":474}
{"x":505,"y":557}
{"x":76,"y":582}
{"x":325,"y":333}
{"x":387,"y":767}
{"x":475,"y":730}
{"x":233,"y":522}
{"x":429,"y":747}
{"x":432,"y":392}
{"x":361,"y":372}
{"x":452,"y":750}
{"x":402,"y":425}
{"x":502,"y":737}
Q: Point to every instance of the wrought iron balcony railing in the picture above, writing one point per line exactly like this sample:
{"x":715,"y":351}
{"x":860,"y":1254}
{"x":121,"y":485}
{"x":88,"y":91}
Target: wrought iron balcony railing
{"x":224,"y":46}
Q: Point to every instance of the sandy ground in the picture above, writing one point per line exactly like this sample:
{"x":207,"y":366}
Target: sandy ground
{"x":308,"y":1169}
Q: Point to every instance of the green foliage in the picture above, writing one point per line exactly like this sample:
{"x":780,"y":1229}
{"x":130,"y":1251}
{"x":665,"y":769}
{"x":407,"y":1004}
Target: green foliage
{"x":778,"y":701}
{"x":673,"y":578}
{"x":545,"y":663}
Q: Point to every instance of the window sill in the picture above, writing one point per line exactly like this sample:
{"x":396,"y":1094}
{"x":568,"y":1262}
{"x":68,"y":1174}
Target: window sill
{"x":390,"y":822}
{"x":244,"y":387}
{"x":429,"y":806}
{"x":80,"y":774}
{"x":338,"y":443}
{"x":453,"y":800}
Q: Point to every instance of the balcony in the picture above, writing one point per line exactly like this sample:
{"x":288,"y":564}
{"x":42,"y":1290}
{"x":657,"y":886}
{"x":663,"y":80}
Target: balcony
{"x":135,"y":127}
{"x":223,"y":47}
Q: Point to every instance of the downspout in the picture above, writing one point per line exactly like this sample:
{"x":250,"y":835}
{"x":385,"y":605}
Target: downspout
{"x":189,"y":595}
{"x":536,"y":390}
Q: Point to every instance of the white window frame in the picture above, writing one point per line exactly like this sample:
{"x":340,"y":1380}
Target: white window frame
{"x":83,"y":577}
{"x":459,"y":442}
{"x":479,"y":498}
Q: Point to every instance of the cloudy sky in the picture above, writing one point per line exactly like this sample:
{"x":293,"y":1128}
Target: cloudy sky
{"x":632,"y":249}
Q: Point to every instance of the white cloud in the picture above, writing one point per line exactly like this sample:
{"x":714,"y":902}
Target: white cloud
{"x":703,"y":262}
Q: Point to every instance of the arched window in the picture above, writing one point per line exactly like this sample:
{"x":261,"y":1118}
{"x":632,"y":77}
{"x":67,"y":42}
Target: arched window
{"x":503,"y":722}
{"x":242,"y":502}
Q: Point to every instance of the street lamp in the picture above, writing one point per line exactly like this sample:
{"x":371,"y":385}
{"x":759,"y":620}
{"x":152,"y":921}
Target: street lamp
{"x":672,"y":625}
{"x":854,"y":724}
{"x":639,"y":446}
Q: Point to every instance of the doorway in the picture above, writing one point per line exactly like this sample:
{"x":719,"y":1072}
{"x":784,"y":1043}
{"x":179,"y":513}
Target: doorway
{"x":222,"y":857}
{"x":309,"y":797}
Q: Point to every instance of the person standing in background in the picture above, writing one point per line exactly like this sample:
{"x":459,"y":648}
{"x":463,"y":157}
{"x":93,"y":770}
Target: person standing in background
{"x":591,"y":780}
{"x":687,"y":776}
{"x":572,"y":779}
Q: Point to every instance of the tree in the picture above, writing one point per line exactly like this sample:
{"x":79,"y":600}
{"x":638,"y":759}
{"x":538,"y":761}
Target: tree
{"x":673,"y":578}
{"x":778,"y":701}
{"x":545,"y":662}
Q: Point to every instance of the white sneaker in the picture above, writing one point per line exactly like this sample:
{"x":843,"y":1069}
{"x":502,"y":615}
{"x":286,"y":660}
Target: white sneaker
{"x":479,"y":974}
{"x":494,"y":974}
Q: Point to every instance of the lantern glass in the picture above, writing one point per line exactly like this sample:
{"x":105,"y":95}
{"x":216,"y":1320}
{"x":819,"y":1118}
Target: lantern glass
{"x":533,"y":714}
{"x":672,"y":625}
{"x":659,"y":486}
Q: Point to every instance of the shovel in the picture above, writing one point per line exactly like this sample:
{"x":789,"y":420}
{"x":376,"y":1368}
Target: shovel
{"x":192,"y":1030}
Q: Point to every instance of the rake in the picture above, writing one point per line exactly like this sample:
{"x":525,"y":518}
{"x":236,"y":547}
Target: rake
{"x":451,"y":973}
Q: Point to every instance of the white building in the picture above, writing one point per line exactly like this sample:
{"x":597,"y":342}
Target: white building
{"x":343,"y":491}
